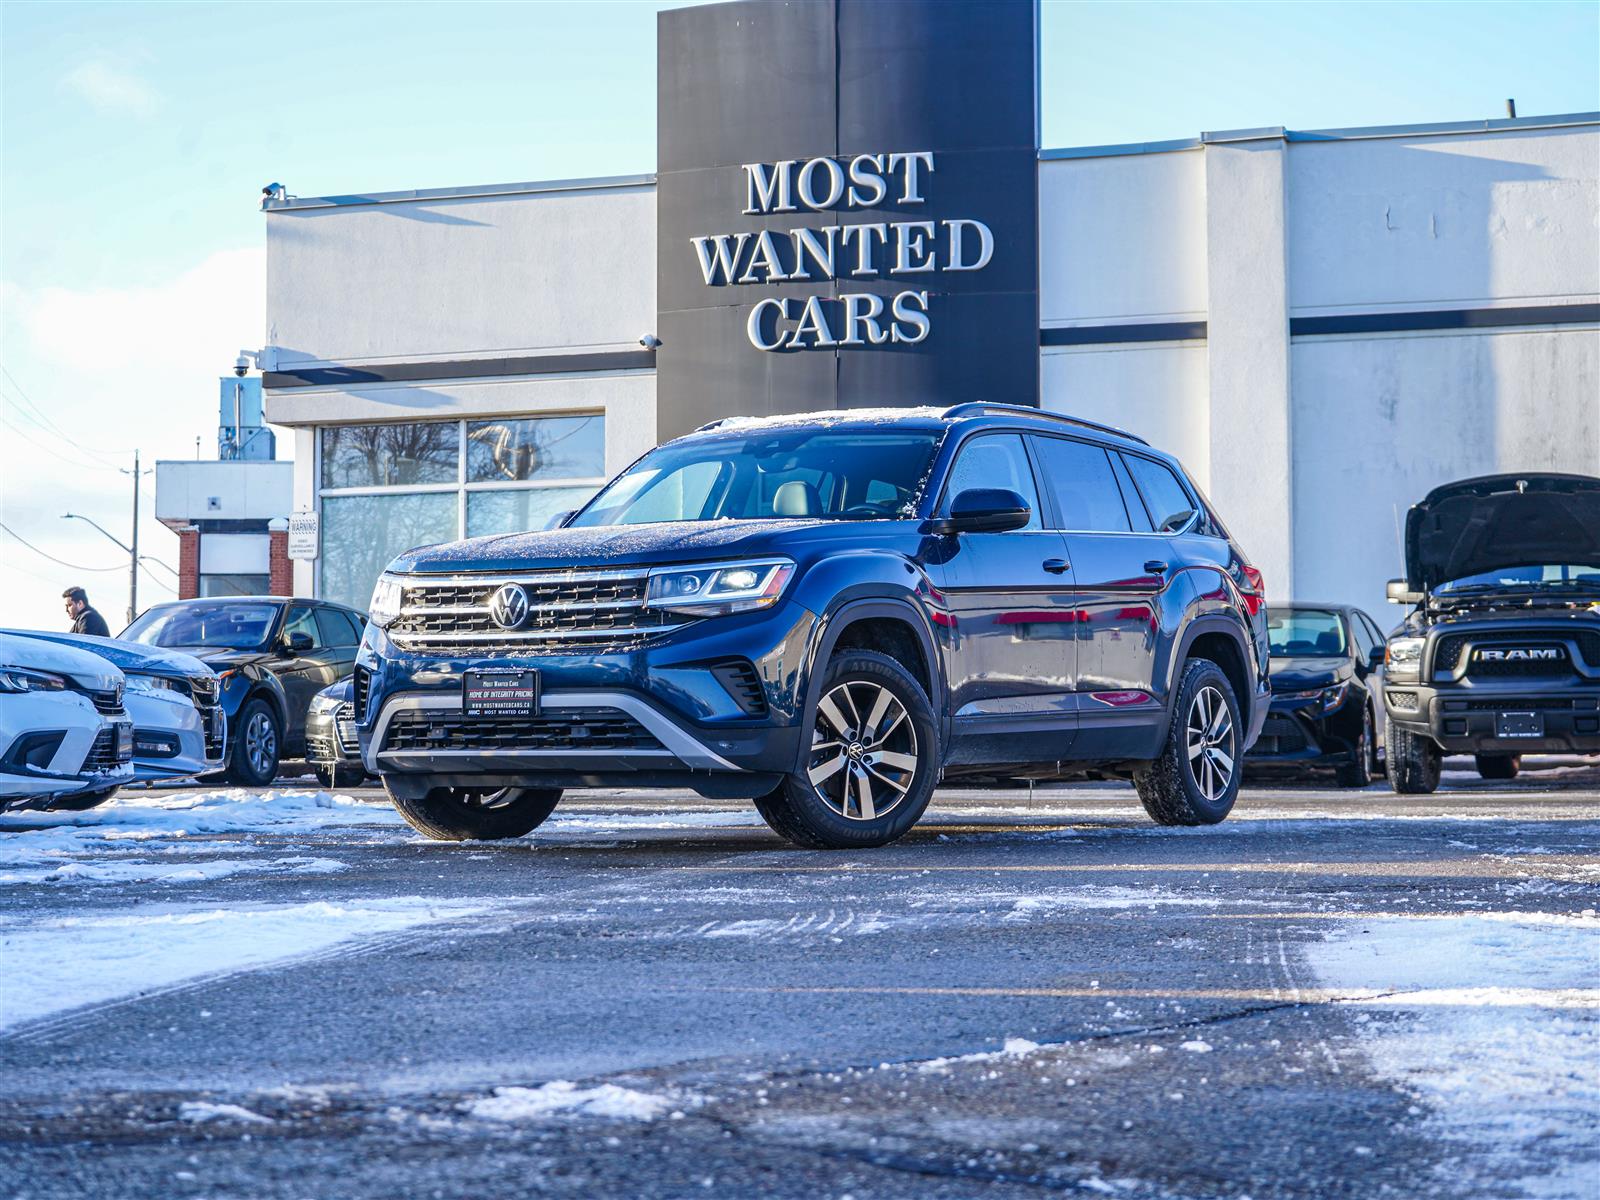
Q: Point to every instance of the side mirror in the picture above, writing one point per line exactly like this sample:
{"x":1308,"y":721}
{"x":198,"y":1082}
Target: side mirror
{"x":1375,"y":657}
{"x":984,"y":510}
{"x":1399,"y":592}
{"x":297,"y":643}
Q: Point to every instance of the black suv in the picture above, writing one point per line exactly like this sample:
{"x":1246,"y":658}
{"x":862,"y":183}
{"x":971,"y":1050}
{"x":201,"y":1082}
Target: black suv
{"x":828,"y":614}
{"x":1501,"y":654}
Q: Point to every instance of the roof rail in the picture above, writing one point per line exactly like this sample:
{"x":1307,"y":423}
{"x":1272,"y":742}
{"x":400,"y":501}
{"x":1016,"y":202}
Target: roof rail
{"x":975,"y":408}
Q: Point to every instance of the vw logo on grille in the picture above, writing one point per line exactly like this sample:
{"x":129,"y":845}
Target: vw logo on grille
{"x":509,"y":607}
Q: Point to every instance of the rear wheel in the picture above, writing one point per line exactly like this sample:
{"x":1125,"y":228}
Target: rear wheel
{"x":873,"y":761}
{"x":254,"y":761}
{"x":334,"y":775}
{"x":83,"y":800}
{"x":1361,"y":771}
{"x":478,"y":814}
{"x":1498,"y":766}
{"x":1414,"y":762}
{"x":1196,"y":779}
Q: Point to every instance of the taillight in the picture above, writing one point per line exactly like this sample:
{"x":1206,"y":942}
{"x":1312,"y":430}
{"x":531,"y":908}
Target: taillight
{"x":1254,"y":590}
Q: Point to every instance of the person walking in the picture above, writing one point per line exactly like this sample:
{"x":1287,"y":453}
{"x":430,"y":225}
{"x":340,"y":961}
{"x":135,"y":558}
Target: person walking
{"x":84,"y":618}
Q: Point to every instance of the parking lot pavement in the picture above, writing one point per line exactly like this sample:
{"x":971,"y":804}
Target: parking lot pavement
{"x":287,"y":994}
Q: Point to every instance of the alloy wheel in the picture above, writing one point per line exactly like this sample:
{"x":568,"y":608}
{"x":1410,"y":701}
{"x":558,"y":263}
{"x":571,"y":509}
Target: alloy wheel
{"x":261,"y":743}
{"x":498,"y":798}
{"x":1211,"y":743}
{"x":863,"y":750}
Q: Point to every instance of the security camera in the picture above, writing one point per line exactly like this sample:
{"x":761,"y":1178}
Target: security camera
{"x":272,"y":190}
{"x":649,"y":341}
{"x":241,"y":366}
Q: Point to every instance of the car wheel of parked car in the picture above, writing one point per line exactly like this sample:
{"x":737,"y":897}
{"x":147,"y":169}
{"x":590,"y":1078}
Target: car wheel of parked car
{"x":331,"y":775}
{"x":1498,"y":766}
{"x":83,"y":800}
{"x":254,"y":761}
{"x":1361,"y":771}
{"x":873,"y":762}
{"x":478,"y":814}
{"x":1196,"y":779}
{"x":1414,"y":762}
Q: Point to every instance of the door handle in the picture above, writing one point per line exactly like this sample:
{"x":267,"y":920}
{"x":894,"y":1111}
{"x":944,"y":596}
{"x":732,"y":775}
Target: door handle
{"x":1056,"y":566}
{"x":1155,"y":566}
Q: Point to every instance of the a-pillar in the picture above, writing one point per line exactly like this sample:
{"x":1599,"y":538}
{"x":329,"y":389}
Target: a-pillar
{"x":1247,"y":343}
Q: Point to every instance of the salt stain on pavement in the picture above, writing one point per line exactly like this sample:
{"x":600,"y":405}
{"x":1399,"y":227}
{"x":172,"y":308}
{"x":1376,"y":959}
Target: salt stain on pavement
{"x":1509,"y":1071}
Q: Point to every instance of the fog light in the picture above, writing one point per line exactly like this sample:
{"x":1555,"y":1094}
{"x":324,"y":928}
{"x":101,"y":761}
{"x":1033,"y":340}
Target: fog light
{"x":1403,"y":701}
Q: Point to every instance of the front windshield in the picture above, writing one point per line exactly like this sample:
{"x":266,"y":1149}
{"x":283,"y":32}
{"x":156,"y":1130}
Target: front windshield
{"x":839,"y":474}
{"x":219,"y":626}
{"x":1305,"y":633}
{"x":1563,"y":576}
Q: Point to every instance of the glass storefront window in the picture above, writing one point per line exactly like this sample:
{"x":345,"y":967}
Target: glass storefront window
{"x":514,"y":510}
{"x":536,"y":448}
{"x":360,"y":534}
{"x":390,"y":455}
{"x":234,"y":585}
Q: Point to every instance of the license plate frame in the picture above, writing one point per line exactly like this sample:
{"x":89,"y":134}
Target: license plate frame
{"x":488,"y":692}
{"x":1519,"y":724}
{"x":124,"y":740}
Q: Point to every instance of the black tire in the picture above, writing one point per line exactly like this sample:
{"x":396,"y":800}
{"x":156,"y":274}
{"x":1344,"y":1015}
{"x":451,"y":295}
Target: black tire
{"x":1414,"y":762}
{"x":83,"y":801}
{"x":1498,"y":766}
{"x":333,"y":775}
{"x":1174,"y":789}
{"x":1360,"y":773}
{"x":816,"y":814}
{"x":253,"y":758}
{"x":479,"y":815}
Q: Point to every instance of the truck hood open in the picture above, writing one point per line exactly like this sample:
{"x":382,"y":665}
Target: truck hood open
{"x":1500,"y":521}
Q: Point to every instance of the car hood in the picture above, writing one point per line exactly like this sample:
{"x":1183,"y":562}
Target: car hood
{"x":1302,"y":674}
{"x":221,"y":658}
{"x":637,"y":545}
{"x":1499,"y":521}
{"x":87,"y":669}
{"x":341,"y":691}
{"x":129,"y":656}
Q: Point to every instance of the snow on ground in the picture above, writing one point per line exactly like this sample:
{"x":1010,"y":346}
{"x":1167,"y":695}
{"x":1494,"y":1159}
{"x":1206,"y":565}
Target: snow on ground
{"x":61,"y":963}
{"x":1510,"y":1071}
{"x":560,"y":1095}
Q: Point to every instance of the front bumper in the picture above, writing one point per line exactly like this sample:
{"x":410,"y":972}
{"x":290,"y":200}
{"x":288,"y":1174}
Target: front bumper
{"x":332,"y":739}
{"x":1465,"y":718}
{"x":1298,"y":734}
{"x":655,"y":714}
{"x":172,"y":739}
{"x":84,"y":758}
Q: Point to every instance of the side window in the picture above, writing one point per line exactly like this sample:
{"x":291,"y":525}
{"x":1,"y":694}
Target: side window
{"x":303,"y":620}
{"x":1079,"y":477}
{"x":1169,"y":504}
{"x":994,"y":461}
{"x":1359,"y":637}
{"x":1130,"y":497}
{"x":334,"y":628}
{"x":356,"y":624}
{"x":1374,"y":634}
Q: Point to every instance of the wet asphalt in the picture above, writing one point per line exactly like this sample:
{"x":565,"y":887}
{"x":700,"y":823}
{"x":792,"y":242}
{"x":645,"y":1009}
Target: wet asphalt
{"x":797,"y":1012}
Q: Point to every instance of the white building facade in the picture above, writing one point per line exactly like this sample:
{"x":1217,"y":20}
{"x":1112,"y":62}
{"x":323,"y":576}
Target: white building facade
{"x":1322,"y":326}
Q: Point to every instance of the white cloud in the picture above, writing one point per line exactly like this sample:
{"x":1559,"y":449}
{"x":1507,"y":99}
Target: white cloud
{"x":112,"y":90}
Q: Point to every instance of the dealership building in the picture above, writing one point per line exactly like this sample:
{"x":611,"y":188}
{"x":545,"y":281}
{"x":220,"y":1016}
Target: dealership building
{"x":1321,"y":324}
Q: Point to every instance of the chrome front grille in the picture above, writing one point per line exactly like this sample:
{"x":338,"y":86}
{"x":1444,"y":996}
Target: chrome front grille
{"x":583,"y":610}
{"x":552,"y":730}
{"x":202,"y":690}
{"x":108,"y":701}
{"x":344,"y":726}
{"x":1458,"y":654}
{"x":104,"y":754}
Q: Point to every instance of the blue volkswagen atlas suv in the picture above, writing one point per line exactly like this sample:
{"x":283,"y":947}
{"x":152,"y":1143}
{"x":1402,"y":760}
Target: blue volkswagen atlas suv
{"x":828,"y":615}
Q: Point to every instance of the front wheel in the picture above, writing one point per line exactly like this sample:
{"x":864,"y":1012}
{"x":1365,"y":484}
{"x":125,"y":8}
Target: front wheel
{"x":477,"y":814}
{"x":83,"y":800}
{"x":1360,"y":772}
{"x":1196,"y":779}
{"x":1498,"y":766}
{"x":1414,"y":762}
{"x":872,"y":764}
{"x":254,"y":762}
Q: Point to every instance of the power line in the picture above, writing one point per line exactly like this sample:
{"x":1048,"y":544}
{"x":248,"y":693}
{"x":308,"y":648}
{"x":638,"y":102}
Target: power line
{"x":43,"y":554}
{"x":42,"y":419}
{"x":81,"y":465}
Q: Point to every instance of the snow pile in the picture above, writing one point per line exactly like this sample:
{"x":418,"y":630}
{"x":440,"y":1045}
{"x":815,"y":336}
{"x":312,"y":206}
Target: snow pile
{"x":67,"y":962}
{"x":561,"y":1095}
{"x":1010,"y":1048}
{"x":200,"y":1111}
{"x":1509,"y":1070}
{"x":144,"y":870}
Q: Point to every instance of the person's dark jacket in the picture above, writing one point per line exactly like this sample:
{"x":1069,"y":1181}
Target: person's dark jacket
{"x":92,"y":623}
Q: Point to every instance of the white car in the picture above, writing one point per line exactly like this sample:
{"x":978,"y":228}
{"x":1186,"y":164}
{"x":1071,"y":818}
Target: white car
{"x":64,"y":736}
{"x":179,"y":728}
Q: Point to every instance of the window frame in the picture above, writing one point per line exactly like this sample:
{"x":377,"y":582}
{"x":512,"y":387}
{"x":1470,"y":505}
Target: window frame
{"x":1040,"y":497}
{"x":1197,"y":510}
{"x":1057,"y":523}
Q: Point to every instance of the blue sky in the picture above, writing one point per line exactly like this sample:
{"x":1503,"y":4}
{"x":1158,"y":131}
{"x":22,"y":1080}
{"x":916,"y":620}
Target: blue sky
{"x":135,"y":138}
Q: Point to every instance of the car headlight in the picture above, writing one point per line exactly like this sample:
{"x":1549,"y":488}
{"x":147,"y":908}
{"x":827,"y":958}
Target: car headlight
{"x":16,"y":680}
{"x":1327,"y":698}
{"x":150,"y":683}
{"x":385,"y":605}
{"x":717,"y":589}
{"x":323,"y":704}
{"x":1402,"y":657}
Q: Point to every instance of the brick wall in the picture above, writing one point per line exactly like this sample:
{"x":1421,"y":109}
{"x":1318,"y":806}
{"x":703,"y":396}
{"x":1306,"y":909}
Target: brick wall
{"x":188,"y":564}
{"x":282,"y":570}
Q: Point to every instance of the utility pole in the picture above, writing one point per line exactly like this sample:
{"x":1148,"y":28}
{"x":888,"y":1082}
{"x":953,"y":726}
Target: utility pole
{"x":133,"y":570}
